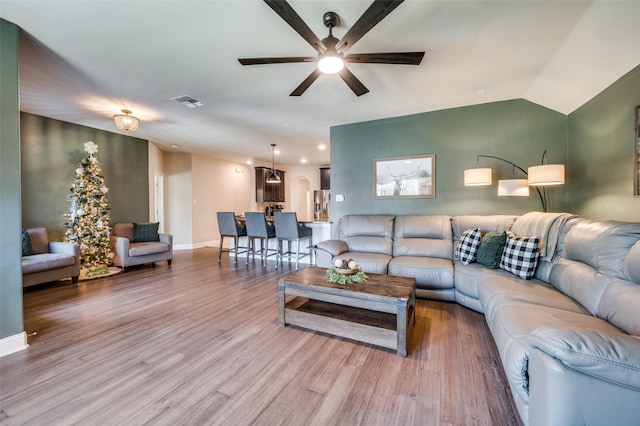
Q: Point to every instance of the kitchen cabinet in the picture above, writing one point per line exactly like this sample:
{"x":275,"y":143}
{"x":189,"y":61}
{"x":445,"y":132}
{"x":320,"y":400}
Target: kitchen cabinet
{"x":325,"y":177}
{"x":266,"y":192}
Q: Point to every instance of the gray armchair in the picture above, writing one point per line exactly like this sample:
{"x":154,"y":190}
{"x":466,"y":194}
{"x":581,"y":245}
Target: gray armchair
{"x":130,"y":251}
{"x":49,"y":261}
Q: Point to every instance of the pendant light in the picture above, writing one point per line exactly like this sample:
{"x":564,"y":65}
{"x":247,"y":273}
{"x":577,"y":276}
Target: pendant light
{"x":273,"y":176}
{"x":125,"y":121}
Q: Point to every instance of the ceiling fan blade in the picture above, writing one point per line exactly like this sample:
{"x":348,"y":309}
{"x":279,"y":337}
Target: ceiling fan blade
{"x":286,"y":12}
{"x":401,"y":58}
{"x":306,"y":83}
{"x":262,"y":61}
{"x":353,"y":82}
{"x":378,"y":10}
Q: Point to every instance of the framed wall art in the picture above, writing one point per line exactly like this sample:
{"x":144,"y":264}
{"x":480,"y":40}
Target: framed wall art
{"x":636,"y":154}
{"x":405,"y":177}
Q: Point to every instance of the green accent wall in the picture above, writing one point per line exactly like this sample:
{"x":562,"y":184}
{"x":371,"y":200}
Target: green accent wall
{"x":516,"y":130}
{"x":53,"y":149}
{"x":10,"y":246}
{"x":601,"y":147}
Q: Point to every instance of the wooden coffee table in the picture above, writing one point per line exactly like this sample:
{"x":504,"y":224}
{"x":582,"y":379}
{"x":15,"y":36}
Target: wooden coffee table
{"x":380,"y":311}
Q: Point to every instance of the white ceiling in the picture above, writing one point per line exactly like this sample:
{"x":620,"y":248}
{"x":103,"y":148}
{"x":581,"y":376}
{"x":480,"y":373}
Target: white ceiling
{"x":83,"y":61}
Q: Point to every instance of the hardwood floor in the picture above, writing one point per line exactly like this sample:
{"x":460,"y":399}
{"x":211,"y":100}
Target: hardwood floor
{"x":198,"y":343}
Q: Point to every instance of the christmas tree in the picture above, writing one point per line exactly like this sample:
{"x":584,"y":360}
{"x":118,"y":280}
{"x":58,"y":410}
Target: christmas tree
{"x":88,"y":218}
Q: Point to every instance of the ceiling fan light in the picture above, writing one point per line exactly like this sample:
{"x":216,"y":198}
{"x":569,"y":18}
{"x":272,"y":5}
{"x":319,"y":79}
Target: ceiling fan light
{"x":126,"y":122}
{"x":330,"y":63}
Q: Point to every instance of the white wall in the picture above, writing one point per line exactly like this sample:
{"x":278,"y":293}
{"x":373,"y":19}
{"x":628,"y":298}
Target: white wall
{"x":178,"y":201}
{"x":217,"y":185}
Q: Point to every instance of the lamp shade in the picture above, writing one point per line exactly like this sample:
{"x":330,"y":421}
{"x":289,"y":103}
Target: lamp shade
{"x":513,"y":188}
{"x":546,"y":174}
{"x":477,"y":177}
{"x":126,"y":122}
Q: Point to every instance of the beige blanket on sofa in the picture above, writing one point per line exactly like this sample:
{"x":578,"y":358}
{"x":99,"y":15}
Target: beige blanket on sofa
{"x":546,"y":226}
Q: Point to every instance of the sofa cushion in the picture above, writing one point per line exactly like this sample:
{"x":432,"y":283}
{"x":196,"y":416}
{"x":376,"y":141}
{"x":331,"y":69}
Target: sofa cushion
{"x":27,"y":249}
{"x":147,"y":247}
{"x":602,"y":245}
{"x":495,"y":289}
{"x":620,"y":302}
{"x":123,"y":230}
{"x":144,"y":232}
{"x":46,"y":261}
{"x":593,"y":253}
{"x":520,"y":256}
{"x":467,"y":247}
{"x":367,"y":233}
{"x":426,"y":236}
{"x":429,"y":272}
{"x":511,"y":326}
{"x":491,"y":248}
{"x":39,"y":240}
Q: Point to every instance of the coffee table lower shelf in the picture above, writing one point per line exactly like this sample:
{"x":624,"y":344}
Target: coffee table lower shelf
{"x":363,"y":325}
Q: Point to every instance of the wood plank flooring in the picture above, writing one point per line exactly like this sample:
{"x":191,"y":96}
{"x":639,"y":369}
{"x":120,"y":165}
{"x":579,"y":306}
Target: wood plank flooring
{"x":198,"y":343}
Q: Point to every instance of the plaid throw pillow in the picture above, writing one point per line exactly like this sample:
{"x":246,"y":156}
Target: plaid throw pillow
{"x":468,"y":246}
{"x":520,"y":255}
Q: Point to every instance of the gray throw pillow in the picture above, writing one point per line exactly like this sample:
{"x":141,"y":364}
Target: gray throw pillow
{"x":490,"y":250}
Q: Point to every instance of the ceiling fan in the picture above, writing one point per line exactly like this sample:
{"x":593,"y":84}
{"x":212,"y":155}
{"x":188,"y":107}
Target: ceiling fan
{"x":331,"y":51}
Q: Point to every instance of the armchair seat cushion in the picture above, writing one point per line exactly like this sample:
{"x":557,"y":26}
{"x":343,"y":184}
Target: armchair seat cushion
{"x":45,"y":262}
{"x":145,"y":248}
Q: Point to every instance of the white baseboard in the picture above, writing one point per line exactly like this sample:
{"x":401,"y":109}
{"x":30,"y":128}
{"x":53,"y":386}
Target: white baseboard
{"x":197,"y":245}
{"x":15,"y":343}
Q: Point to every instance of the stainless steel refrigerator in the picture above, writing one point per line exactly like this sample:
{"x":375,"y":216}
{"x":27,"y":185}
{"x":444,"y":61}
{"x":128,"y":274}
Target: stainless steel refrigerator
{"x":322,"y":205}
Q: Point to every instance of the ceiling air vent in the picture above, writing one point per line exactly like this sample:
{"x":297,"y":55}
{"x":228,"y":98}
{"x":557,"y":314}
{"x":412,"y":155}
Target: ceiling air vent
{"x":188,"y":101}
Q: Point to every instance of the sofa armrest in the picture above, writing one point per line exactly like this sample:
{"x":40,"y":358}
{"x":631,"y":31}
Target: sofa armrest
{"x":166,"y":238}
{"x":70,"y":249}
{"x":333,"y":247}
{"x":613,"y":357}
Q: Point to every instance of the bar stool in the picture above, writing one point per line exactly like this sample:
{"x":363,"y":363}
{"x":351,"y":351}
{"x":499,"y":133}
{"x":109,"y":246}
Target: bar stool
{"x":259,"y":229}
{"x":231,"y":228}
{"x":288,"y":229}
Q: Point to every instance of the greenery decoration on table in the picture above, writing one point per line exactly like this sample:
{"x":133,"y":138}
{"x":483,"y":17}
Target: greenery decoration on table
{"x":338,"y":278}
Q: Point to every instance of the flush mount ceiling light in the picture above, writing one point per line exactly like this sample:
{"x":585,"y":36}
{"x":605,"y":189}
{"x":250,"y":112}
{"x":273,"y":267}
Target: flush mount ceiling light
{"x":273,"y":176}
{"x":126,"y":122}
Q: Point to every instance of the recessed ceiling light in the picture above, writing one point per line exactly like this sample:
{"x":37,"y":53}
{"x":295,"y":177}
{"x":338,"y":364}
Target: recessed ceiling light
{"x":249,"y":162}
{"x":303,"y":160}
{"x":173,"y":145}
{"x":276,"y":152}
{"x":321,"y":146}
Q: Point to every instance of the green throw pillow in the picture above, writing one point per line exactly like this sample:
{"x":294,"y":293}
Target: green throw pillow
{"x":27,"y":249}
{"x":490,"y":250}
{"x":143,"y":232}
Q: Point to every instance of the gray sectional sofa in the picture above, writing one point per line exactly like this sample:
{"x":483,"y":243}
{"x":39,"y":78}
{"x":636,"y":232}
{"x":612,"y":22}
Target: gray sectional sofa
{"x":569,"y":338}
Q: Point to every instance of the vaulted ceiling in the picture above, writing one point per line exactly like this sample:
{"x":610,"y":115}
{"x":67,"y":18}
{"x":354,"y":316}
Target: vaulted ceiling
{"x":83,"y":61}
